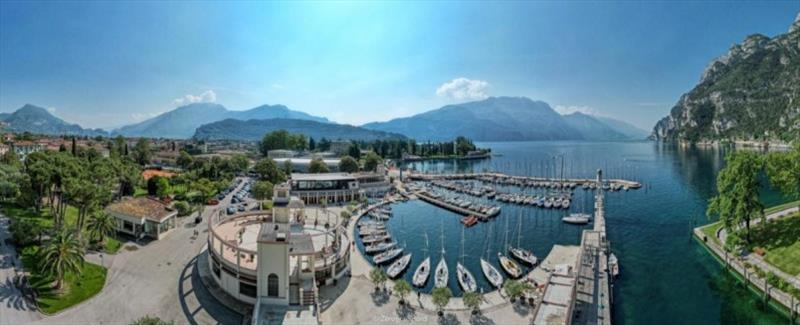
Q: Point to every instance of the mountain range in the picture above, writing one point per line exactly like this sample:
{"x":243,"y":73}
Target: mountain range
{"x":34,"y":119}
{"x":507,"y":119}
{"x":752,"y":92}
{"x":492,"y":119}
{"x":182,"y":122}
{"x":254,"y":130}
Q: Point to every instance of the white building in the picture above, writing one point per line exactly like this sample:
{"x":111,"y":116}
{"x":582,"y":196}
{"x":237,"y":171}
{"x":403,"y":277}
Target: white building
{"x":143,"y":216}
{"x":274,"y":259}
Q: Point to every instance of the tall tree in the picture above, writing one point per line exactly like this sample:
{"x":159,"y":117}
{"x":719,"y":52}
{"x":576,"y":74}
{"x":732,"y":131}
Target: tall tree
{"x":317,"y":166}
{"x":348,"y":165}
{"x":783,"y":169}
{"x":62,"y":255}
{"x":268,"y":170}
{"x":141,"y":152}
{"x":738,"y":186}
{"x":372,"y":161}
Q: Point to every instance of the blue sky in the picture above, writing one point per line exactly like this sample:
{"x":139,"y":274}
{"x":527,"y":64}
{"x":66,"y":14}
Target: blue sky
{"x":109,"y":64}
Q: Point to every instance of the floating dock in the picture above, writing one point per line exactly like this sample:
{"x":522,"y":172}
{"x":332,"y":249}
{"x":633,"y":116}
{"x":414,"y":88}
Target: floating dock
{"x":457,"y":209}
{"x":476,"y":176}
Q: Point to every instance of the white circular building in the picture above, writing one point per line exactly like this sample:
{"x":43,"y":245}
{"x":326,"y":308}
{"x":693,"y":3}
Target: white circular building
{"x":277,"y":257}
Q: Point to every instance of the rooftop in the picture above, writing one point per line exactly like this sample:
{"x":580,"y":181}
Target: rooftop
{"x":142,"y":208}
{"x":322,"y":177}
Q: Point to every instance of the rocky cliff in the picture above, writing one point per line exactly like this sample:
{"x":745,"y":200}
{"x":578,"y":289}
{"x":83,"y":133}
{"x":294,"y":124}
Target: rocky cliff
{"x":752,"y":92}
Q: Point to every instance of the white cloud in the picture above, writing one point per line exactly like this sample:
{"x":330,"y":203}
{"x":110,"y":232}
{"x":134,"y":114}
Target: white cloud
{"x":565,"y":109}
{"x":463,"y":88}
{"x":52,"y":110}
{"x":207,"y":96}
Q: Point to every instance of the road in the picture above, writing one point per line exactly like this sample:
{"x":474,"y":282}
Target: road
{"x":14,"y":308}
{"x":158,"y":279}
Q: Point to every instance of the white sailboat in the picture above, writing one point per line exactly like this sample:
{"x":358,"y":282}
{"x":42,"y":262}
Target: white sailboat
{"x":465,"y":278}
{"x":521,"y":254}
{"x":489,"y":271}
{"x":398,"y":266}
{"x":387,"y":255}
{"x":577,"y":218}
{"x":442,"y":273}
{"x":506,"y":263}
{"x":424,"y":269}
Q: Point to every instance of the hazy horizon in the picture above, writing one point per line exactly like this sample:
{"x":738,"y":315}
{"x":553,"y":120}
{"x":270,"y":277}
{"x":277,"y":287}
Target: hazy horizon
{"x":122,"y":63}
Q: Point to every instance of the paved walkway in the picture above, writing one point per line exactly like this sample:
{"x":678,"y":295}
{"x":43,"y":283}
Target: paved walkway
{"x":158,"y":279}
{"x":337,"y":303}
{"x":14,"y":308}
{"x":758,"y":260}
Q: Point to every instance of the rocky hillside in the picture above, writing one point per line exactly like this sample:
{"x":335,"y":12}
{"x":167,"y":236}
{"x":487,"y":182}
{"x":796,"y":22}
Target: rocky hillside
{"x":254,"y":130}
{"x":750,"y":93}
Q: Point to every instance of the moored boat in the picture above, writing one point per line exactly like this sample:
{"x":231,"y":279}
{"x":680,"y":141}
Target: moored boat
{"x":387,"y":255}
{"x":509,"y":266}
{"x":577,"y":219}
{"x":422,"y":273}
{"x":491,"y":274}
{"x":398,"y":266}
{"x":465,"y":278}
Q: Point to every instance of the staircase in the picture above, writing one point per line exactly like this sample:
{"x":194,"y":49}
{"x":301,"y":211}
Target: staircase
{"x":309,"y":297}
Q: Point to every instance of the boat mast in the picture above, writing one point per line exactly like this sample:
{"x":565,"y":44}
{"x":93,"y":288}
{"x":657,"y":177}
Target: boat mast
{"x":519,"y":229}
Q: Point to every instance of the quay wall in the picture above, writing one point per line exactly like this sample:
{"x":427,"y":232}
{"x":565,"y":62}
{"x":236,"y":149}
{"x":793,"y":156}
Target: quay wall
{"x":780,"y":300}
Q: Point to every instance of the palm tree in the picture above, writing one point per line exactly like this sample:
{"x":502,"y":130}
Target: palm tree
{"x":378,"y":277}
{"x":441,"y":297}
{"x":101,"y":225}
{"x":401,"y":289}
{"x":62,"y":255}
{"x":472,"y":300}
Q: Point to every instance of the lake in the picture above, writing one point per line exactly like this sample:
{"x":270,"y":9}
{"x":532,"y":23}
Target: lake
{"x":667,"y":277}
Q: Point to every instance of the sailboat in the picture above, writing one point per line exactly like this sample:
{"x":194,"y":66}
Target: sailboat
{"x":398,"y":266}
{"x":465,"y":278}
{"x":521,"y":254}
{"x":509,"y":265}
{"x":489,"y":271}
{"x":424,"y":269}
{"x":442,"y":273}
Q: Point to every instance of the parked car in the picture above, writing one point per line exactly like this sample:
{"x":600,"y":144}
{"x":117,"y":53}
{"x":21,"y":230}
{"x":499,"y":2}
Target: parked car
{"x":231,"y":210}
{"x":242,"y":207}
{"x":213,"y":202}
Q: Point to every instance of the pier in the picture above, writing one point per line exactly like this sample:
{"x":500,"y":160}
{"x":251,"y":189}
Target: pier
{"x":591,"y":298}
{"x":457,"y":209}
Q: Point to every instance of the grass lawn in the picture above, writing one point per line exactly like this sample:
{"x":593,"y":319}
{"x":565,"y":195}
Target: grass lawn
{"x":140,"y":192}
{"x":781,"y":240}
{"x":45,"y":218}
{"x":710,"y":231}
{"x":77,"y":287}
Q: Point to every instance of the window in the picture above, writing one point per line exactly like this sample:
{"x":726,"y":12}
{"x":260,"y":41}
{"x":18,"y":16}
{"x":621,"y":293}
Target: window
{"x":247,"y":289}
{"x":272,"y":285}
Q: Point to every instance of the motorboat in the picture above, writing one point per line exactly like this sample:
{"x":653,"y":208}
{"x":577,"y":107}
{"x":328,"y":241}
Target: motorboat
{"x":422,"y":273}
{"x":577,"y":219}
{"x":491,"y":274}
{"x":398,"y":266}
{"x":375,"y":239}
{"x":613,"y":265}
{"x":387,"y":255}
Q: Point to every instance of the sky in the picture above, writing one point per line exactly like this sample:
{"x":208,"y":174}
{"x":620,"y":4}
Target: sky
{"x":104,"y":64}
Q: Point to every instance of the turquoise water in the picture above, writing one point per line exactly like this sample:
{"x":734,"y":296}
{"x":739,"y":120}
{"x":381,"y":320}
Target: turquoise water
{"x":667,"y":278}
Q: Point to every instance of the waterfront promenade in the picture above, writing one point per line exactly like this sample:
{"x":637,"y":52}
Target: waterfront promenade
{"x":737,"y":263}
